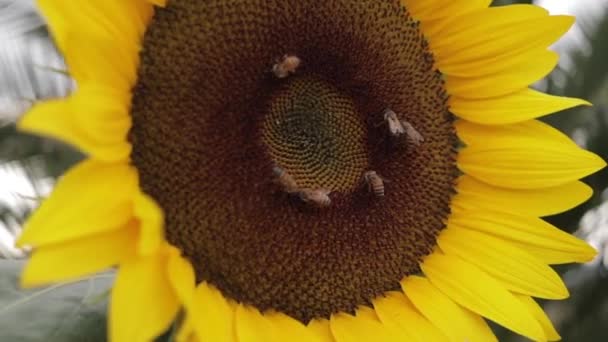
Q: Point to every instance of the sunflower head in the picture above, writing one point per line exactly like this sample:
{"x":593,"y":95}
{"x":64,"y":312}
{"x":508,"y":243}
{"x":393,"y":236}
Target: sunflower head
{"x":323,"y":123}
{"x":282,"y":168}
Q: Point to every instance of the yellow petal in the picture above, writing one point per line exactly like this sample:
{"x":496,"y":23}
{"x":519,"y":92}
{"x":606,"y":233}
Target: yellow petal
{"x":541,"y":317}
{"x":515,"y":269}
{"x":320,"y":328}
{"x":532,"y":234}
{"x":151,"y":219}
{"x":285,"y":328}
{"x":473,"y":194}
{"x":161,"y":3}
{"x":361,"y":328}
{"x":526,"y":155}
{"x":112,"y":18}
{"x":99,"y":39}
{"x":186,"y":331}
{"x":456,"y":322}
{"x":506,"y":81}
{"x":435,"y":9}
{"x":367,"y":313}
{"x":398,"y":313}
{"x":497,"y":31}
{"x":496,"y":65}
{"x":213,"y":315}
{"x":533,"y":168}
{"x":97,"y":50}
{"x":516,"y":107}
{"x":94,"y":119}
{"x":181,"y":275}
{"x":102,"y":113}
{"x":438,"y":31}
{"x":143,"y":302}
{"x":251,"y":326}
{"x":480,"y":293}
{"x":73,"y":259}
{"x":477,"y":135}
{"x":98,"y":206}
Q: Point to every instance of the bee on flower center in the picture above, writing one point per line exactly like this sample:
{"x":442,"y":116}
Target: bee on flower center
{"x":285,"y":180}
{"x":318,"y":197}
{"x":375,"y":183}
{"x":398,"y":127}
{"x":286,"y":65}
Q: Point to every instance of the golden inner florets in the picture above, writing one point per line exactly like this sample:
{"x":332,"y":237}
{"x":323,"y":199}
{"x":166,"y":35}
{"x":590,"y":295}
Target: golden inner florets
{"x":316,"y":135}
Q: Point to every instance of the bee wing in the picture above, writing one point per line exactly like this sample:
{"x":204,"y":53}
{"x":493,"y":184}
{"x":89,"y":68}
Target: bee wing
{"x":322,"y":197}
{"x":395,"y":127}
{"x":305,"y":194}
{"x":413,"y":135}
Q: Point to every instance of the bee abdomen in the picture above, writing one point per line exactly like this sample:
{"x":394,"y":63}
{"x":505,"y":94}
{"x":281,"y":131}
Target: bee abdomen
{"x":379,"y":190}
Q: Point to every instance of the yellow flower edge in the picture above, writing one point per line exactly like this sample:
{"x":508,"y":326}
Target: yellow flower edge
{"x":490,"y":262}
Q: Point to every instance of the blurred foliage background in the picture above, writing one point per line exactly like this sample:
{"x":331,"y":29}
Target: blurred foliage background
{"x":29,"y":71}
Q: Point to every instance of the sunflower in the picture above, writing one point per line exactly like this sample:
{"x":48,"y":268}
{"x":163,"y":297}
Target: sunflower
{"x":340,"y":170}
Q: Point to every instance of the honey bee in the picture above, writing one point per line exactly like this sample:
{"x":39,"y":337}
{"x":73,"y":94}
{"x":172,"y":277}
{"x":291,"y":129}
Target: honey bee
{"x":318,"y":197}
{"x":285,"y":180}
{"x":374,"y":182}
{"x":287,"y":65}
{"x":398,"y":127}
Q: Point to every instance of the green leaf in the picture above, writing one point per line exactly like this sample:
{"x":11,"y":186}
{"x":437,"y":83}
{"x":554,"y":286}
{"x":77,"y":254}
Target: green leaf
{"x":74,"y":312}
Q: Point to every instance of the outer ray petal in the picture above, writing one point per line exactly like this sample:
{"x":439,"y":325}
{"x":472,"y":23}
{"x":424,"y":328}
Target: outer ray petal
{"x":533,"y":130}
{"x":497,"y":65}
{"x":360,"y":328}
{"x":497,"y":31}
{"x":320,"y":328}
{"x":93,"y":119}
{"x":434,"y":29}
{"x":516,"y":107}
{"x":367,"y":313}
{"x":101,"y":113}
{"x":523,"y":156}
{"x":143,"y":302}
{"x":73,"y":259}
{"x":285,"y":328}
{"x":161,"y":3}
{"x":505,"y":81}
{"x":102,"y":40}
{"x":515,"y":269}
{"x":151,"y":219}
{"x":480,"y":293}
{"x":213,"y":315}
{"x":541,"y":317}
{"x":520,"y":168}
{"x":434,"y":9}
{"x":182,"y":278}
{"x":89,"y":182}
{"x":454,"y":321}
{"x":397,"y":312}
{"x":473,"y":194}
{"x":531,"y":234}
{"x":186,"y":331}
{"x":251,"y":326}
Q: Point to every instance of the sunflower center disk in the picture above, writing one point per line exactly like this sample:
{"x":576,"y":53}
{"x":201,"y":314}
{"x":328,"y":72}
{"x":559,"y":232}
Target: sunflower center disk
{"x":315,"y":135}
{"x":212,"y":122}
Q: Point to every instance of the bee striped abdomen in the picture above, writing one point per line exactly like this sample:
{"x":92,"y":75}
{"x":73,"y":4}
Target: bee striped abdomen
{"x":375,"y":183}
